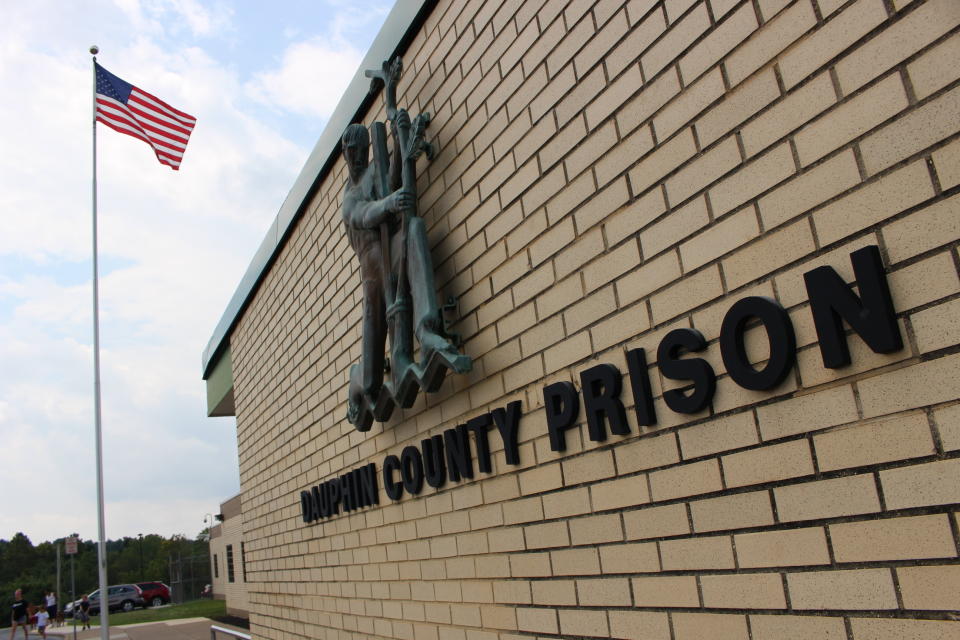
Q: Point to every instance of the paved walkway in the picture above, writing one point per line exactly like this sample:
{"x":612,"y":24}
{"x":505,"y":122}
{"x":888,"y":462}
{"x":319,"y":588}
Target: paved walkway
{"x":184,"y":629}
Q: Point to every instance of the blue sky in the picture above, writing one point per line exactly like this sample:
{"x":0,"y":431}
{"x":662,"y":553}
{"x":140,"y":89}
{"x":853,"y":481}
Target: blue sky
{"x":262,"y":79}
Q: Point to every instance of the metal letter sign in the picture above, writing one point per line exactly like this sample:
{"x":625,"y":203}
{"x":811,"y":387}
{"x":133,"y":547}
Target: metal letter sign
{"x":396,"y":271}
{"x":869,"y":311}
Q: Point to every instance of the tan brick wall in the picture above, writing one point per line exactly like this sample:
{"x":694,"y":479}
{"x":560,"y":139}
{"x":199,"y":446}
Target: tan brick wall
{"x":606,"y":172}
{"x":230,"y":532}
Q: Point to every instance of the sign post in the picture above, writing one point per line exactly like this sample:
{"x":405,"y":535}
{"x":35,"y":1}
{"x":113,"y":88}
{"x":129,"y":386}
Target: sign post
{"x":70,"y":547}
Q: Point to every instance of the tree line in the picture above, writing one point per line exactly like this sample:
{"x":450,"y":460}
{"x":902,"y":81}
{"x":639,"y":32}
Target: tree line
{"x":129,"y":560}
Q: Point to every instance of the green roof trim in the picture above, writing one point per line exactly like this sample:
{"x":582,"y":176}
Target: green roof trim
{"x":220,"y":387}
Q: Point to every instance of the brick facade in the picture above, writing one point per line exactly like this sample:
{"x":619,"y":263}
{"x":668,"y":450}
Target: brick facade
{"x":230,"y":533}
{"x":606,"y":172}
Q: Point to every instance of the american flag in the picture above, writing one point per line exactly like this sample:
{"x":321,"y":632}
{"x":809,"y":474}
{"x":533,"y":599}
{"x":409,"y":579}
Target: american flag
{"x":127,"y":109}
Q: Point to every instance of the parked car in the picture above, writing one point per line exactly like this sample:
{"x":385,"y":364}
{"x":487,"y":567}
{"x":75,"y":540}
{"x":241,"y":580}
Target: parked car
{"x":122,"y":597}
{"x":154,"y":593}
{"x":70,"y":607}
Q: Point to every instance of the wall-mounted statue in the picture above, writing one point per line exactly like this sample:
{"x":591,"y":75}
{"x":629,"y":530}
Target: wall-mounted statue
{"x":396,"y":271}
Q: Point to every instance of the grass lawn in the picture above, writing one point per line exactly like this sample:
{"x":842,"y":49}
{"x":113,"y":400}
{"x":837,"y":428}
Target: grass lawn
{"x":195,"y":609}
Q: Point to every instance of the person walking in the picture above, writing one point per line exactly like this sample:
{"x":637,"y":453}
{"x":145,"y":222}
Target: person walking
{"x":42,"y":619}
{"x":19,"y":615}
{"x":51,"y":602}
{"x":84,"y":613}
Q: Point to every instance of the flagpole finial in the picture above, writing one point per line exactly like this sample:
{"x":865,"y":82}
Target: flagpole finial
{"x":94,"y":50}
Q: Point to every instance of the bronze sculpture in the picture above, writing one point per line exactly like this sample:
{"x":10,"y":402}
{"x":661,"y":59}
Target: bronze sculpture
{"x":396,"y":270}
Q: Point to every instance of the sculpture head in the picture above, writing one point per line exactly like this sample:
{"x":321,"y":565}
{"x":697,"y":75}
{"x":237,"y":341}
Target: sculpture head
{"x":356,"y":150}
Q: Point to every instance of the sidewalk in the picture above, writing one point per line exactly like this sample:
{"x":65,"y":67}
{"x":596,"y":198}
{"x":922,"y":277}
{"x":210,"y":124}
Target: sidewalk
{"x":184,"y":629}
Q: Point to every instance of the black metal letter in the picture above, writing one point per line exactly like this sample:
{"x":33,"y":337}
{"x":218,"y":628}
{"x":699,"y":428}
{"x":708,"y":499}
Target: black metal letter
{"x":320,"y":504}
{"x":306,"y":506}
{"x":601,"y":386}
{"x":562,"y":404}
{"x":871,"y":315}
{"x":480,"y":425}
{"x":640,"y":384}
{"x":783,"y":343}
{"x":433,"y":464}
{"x":333,"y":488}
{"x":346,"y":492}
{"x":322,"y":501}
{"x":411,"y":469}
{"x":393,"y":488}
{"x":459,"y":463}
{"x":368,"y":483}
{"x":695,"y":369}
{"x":508,"y":424}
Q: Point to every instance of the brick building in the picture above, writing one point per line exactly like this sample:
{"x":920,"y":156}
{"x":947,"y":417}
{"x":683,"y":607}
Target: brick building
{"x":228,"y":559}
{"x":608,"y":173}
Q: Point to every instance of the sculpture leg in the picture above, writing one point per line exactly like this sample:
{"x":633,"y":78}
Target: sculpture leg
{"x":426,"y":311}
{"x":367,"y":377}
{"x":399,"y":314}
{"x":374,"y":334}
{"x":374,"y":337}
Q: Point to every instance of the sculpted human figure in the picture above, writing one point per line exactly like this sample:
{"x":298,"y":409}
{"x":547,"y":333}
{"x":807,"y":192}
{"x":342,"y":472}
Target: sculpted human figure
{"x":396,"y":271}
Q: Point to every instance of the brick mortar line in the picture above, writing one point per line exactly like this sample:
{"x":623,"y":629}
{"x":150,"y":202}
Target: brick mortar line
{"x":878,"y":225}
{"x":754,"y":199}
{"x":610,"y":446}
{"x":822,"y":523}
{"x":786,"y":95}
{"x":886,"y":614}
{"x":940,"y":509}
{"x":675,"y":429}
{"x":852,"y":144}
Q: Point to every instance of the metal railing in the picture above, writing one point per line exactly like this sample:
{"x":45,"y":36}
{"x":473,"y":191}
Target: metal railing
{"x":230,"y":632}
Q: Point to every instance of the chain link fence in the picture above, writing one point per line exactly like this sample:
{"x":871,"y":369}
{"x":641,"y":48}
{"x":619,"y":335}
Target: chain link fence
{"x":188,"y":576}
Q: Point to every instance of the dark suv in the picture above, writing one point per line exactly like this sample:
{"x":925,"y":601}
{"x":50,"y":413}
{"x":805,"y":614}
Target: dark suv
{"x":154,"y":593}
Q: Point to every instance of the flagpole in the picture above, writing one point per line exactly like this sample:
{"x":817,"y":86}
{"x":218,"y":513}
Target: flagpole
{"x":101,"y":542}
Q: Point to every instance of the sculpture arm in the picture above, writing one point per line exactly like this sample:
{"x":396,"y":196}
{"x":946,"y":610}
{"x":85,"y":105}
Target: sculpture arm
{"x":365,"y":214}
{"x":401,"y":120}
{"x":370,"y":214}
{"x":396,"y":163}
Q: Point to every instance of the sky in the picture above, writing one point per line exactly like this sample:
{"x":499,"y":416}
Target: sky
{"x":262,"y":79}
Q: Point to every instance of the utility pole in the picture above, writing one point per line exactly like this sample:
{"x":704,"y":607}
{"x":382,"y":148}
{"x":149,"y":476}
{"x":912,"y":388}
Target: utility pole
{"x":141,"y":556}
{"x":71,"y":549}
{"x":57,"y":592}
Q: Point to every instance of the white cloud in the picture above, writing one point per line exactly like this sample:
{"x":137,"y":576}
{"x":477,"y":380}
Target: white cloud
{"x":202,"y":20}
{"x":173,"y":246}
{"x":158,"y":16}
{"x":312,"y":76}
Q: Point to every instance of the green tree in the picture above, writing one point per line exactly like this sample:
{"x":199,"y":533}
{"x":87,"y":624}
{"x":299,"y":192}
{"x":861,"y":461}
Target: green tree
{"x":34,"y":568}
{"x":19,"y":557}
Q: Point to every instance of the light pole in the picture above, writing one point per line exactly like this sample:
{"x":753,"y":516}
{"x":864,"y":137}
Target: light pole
{"x":208,"y":520}
{"x":140,"y":535}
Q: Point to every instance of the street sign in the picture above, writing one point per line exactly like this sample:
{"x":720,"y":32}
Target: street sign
{"x":71,"y":545}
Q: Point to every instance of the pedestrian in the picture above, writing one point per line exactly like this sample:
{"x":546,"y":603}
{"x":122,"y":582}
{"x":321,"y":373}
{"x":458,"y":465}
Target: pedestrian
{"x":84,"y":613}
{"x":42,"y":619}
{"x":19,"y":615}
{"x":51,"y":601}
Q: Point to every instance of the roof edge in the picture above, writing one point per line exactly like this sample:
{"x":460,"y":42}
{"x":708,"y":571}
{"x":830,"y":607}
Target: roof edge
{"x":395,"y":35}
